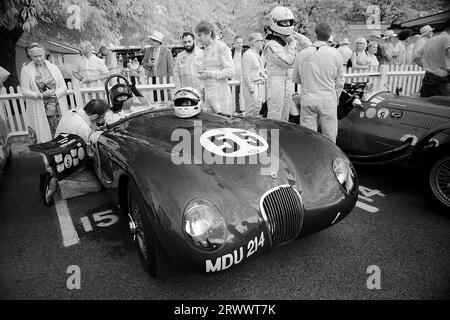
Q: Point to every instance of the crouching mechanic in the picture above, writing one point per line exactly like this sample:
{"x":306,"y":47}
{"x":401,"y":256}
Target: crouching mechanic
{"x":83,"y":123}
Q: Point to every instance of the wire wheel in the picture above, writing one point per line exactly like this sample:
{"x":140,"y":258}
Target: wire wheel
{"x":153,"y":257}
{"x":138,"y":228}
{"x":439,"y":179}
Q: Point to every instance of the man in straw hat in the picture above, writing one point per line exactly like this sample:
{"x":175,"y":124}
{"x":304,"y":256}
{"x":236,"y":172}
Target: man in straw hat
{"x":345,"y":51}
{"x":158,"y":60}
{"x":434,"y":57}
{"x":426,"y":32}
{"x":387,"y":47}
{"x":375,"y":36}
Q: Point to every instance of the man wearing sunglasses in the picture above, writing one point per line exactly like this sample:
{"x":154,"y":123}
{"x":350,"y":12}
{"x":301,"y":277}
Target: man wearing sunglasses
{"x":279,"y":56}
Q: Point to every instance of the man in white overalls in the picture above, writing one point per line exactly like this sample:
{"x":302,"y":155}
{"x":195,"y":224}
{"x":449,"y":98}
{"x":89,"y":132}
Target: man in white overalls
{"x":279,"y":57}
{"x":217,"y":68}
{"x":187,"y":64}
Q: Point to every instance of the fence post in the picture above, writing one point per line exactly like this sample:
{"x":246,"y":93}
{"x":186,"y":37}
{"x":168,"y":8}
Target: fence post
{"x":2,"y":111}
{"x":381,"y":82}
{"x":77,"y":93}
{"x":142,"y":78}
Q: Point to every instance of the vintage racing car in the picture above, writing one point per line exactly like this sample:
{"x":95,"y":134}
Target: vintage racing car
{"x":5,"y":147}
{"x":209,"y":192}
{"x":379,"y":128}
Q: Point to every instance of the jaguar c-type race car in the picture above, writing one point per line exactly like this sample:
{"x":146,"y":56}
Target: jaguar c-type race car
{"x":379,"y":128}
{"x":210,"y":192}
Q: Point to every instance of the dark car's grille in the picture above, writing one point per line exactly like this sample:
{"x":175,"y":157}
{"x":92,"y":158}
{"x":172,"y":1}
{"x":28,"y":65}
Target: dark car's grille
{"x":283,"y":210}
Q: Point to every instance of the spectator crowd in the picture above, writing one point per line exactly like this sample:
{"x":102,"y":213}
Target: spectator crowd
{"x":265,"y":71}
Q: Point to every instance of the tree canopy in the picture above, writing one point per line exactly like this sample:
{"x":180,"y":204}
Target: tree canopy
{"x":252,"y":14}
{"x":112,"y":21}
{"x":128,"y":22}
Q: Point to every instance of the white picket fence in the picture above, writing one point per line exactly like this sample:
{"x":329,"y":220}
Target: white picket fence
{"x":12,"y":105}
{"x":154,"y":93}
{"x":408,"y":78}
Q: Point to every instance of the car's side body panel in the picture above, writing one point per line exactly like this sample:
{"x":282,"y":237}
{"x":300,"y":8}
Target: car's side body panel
{"x":387,"y":120}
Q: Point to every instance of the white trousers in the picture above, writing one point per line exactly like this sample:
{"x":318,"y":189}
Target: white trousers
{"x":279,"y":97}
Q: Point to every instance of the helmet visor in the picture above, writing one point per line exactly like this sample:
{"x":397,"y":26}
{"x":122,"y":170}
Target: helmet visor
{"x":286,"y":23}
{"x":185,"y":102}
{"x":122,"y":97}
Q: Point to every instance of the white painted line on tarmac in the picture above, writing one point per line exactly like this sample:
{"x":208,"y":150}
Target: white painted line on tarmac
{"x":69,"y":234}
{"x":365,"y":198}
{"x":366,"y":207}
{"x":86,"y":224}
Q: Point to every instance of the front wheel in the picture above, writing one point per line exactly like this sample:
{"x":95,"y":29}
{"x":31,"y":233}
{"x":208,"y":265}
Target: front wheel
{"x":439,"y":182}
{"x":153,"y":256}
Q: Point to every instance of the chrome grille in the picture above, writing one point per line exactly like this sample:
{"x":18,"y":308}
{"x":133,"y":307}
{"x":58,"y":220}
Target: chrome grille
{"x":283,"y":211}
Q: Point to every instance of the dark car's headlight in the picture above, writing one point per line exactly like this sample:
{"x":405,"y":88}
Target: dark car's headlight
{"x":344,"y":173}
{"x":204,"y":225}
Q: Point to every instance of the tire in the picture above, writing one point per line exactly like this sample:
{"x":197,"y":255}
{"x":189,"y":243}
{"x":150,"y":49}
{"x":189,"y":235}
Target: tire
{"x":439,"y":182}
{"x":153,"y":256}
{"x":48,"y":191}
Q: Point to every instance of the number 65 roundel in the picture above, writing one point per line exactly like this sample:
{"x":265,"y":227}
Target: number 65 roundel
{"x":233,"y":142}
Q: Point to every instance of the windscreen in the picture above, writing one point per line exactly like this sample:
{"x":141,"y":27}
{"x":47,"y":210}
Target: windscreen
{"x":371,"y":90}
{"x":132,"y":106}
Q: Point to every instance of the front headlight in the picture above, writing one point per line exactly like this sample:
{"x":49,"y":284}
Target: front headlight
{"x":204,"y":225}
{"x":344,"y":173}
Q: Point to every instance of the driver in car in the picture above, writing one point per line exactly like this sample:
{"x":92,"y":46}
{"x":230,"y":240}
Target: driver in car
{"x":122,"y":102}
{"x":118,"y":94}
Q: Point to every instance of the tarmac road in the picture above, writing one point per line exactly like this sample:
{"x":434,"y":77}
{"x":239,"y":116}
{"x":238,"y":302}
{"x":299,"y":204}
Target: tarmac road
{"x":393,"y":228}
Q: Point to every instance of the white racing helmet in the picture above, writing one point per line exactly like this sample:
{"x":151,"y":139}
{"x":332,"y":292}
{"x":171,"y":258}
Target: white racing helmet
{"x":188,"y":102}
{"x":279,"y":14}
